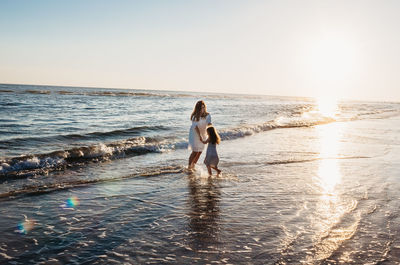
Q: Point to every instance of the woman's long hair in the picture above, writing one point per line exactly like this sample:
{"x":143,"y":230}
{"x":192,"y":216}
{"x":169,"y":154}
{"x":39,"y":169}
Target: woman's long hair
{"x":196,"y":114}
{"x":213,"y":134}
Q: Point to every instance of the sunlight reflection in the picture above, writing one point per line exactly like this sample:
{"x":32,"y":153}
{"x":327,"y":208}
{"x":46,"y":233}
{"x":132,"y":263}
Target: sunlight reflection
{"x":327,"y":105}
{"x":329,"y":175}
{"x":330,"y":207}
{"x":328,"y":171}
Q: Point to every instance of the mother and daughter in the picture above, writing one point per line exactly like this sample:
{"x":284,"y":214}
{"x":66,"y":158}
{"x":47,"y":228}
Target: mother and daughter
{"x":202,"y":132}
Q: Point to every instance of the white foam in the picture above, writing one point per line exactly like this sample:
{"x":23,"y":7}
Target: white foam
{"x":5,"y":255}
{"x":100,"y":150}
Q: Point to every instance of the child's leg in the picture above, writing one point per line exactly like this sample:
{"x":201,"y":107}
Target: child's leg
{"x":209,"y":170}
{"x":217,"y":169}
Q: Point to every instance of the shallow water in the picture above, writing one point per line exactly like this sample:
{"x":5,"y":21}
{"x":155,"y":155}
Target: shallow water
{"x":320,"y":193}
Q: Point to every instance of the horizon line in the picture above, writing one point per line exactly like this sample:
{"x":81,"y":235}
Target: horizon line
{"x":173,"y":90}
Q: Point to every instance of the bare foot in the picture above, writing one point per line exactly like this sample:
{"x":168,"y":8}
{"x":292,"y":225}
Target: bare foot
{"x":219,"y":171}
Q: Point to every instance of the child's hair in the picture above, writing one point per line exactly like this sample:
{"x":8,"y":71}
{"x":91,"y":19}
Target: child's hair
{"x":197,"y":111}
{"x":213,"y":134}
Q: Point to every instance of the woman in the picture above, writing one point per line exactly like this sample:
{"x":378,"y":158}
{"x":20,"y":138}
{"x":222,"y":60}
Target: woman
{"x":200,"y":119}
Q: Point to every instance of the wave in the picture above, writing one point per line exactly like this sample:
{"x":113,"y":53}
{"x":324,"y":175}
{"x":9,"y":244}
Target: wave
{"x":382,"y":114}
{"x":96,"y":93}
{"x":25,"y":166}
{"x":6,"y":91}
{"x":120,"y":94}
{"x":46,"y":188}
{"x":309,"y":119}
{"x":294,"y":161}
{"x":134,"y":131}
{"x":31,"y":91}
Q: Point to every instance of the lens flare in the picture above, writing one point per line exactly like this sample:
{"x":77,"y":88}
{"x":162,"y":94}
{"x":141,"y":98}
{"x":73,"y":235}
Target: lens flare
{"x":71,"y":203}
{"x":26,"y":226}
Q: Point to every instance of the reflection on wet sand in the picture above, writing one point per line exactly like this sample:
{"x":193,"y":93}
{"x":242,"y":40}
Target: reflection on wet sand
{"x":204,"y":213}
{"x":331,"y":231}
{"x":329,"y":171}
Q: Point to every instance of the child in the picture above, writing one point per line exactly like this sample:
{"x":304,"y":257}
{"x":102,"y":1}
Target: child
{"x":212,"y":159}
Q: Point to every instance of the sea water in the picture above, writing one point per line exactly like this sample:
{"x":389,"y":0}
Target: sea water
{"x":93,"y":175}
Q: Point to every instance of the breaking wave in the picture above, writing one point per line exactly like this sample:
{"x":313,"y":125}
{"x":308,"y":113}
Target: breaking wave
{"x":307,"y":120}
{"x":29,"y":165}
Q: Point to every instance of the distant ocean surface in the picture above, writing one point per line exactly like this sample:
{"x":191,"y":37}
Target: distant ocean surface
{"x":94,"y":175}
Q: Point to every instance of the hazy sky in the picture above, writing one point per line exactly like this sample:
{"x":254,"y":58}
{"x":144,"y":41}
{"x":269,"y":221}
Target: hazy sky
{"x":347,"y":49}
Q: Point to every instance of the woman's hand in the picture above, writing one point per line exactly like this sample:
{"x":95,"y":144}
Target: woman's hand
{"x":198,"y":132}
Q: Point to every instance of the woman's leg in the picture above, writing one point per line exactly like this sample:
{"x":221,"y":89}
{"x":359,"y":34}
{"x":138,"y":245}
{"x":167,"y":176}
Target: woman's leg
{"x":196,"y":158}
{"x":191,"y":159}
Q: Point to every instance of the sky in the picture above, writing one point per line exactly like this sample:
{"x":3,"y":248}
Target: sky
{"x":343,"y":49}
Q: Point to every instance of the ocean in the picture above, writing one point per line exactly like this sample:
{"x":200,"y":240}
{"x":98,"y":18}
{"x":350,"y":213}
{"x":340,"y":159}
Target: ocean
{"x":98,"y":176}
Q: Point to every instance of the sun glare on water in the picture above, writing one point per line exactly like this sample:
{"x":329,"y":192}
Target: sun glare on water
{"x":329,"y":169}
{"x":327,"y":106}
{"x":331,"y":207}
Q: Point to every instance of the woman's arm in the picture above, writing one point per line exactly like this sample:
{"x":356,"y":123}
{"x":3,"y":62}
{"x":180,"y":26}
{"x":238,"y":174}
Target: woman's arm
{"x":206,"y":141}
{"x":198,"y":132}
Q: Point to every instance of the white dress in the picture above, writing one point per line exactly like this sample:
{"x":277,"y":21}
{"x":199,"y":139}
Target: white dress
{"x":194,"y":141}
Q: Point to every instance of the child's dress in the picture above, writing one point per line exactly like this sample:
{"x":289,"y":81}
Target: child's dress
{"x":212,"y":158}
